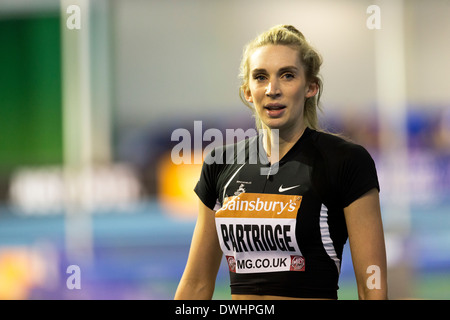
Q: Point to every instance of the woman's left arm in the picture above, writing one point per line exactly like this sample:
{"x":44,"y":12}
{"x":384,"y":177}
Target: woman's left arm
{"x":366,"y":238}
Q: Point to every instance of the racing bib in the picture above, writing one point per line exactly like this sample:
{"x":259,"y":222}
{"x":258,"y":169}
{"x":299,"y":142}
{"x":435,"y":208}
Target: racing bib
{"x":257,"y":233}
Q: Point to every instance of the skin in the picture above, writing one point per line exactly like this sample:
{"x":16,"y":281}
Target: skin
{"x":203,"y":263}
{"x":277,"y":77}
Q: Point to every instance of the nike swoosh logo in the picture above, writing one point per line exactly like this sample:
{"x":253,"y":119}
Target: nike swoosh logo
{"x":281,"y":189}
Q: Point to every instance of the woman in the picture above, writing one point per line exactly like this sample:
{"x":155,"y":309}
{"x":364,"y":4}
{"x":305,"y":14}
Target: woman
{"x":283,"y":234}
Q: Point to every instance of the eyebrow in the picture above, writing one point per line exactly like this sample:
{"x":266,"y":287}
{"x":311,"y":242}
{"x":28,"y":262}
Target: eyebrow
{"x":281,"y":70}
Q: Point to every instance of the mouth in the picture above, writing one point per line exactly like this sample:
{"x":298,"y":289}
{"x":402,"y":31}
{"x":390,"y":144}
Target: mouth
{"x":274,"y":106}
{"x":274,"y":110}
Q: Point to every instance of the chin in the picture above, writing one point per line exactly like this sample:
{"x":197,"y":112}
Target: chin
{"x":274,"y":124}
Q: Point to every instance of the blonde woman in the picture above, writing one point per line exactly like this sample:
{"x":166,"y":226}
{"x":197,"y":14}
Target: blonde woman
{"x":283,"y":233}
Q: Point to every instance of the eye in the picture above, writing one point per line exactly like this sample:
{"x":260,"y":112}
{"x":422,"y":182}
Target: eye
{"x":259,"y":77}
{"x":288,"y":76}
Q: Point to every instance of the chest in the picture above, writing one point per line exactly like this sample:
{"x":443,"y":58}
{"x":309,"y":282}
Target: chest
{"x":293,"y":178}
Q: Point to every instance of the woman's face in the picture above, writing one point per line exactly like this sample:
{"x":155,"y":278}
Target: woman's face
{"x":278,"y":87}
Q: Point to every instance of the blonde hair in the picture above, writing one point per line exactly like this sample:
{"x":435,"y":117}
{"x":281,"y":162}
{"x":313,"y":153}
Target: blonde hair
{"x":309,"y":57}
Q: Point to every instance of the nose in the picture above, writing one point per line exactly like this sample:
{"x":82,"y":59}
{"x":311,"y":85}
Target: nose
{"x":272,"y":89}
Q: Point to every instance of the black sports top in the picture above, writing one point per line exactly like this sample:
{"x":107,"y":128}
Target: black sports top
{"x":283,"y":234}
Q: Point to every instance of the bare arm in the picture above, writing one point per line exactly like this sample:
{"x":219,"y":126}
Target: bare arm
{"x":366,"y":238}
{"x":199,"y":277}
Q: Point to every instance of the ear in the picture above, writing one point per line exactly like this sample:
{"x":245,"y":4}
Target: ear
{"x":248,"y":95}
{"x":312,"y":89}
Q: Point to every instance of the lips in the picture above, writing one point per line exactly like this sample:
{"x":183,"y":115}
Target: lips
{"x":274,"y":110}
{"x":274,"y":106}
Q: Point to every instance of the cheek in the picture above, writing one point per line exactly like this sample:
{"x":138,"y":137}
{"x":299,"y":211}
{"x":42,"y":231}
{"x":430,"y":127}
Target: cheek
{"x":297,"y":93}
{"x":256,"y":93}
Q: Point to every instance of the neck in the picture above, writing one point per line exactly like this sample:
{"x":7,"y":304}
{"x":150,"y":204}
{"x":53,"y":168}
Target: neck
{"x":281,"y":140}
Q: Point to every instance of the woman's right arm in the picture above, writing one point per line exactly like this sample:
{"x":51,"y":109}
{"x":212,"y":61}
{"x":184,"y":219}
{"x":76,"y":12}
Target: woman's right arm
{"x":203,"y":263}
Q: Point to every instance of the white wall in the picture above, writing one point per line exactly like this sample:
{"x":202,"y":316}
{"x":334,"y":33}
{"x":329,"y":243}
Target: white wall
{"x":183,"y":56}
{"x":428,"y":52}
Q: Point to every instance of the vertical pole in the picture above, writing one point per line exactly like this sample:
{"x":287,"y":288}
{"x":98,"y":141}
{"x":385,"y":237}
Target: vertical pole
{"x":77,"y":124}
{"x":392,"y":113}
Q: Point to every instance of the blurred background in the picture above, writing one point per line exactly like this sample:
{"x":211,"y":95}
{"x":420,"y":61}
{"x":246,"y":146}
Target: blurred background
{"x":91,"y":91}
